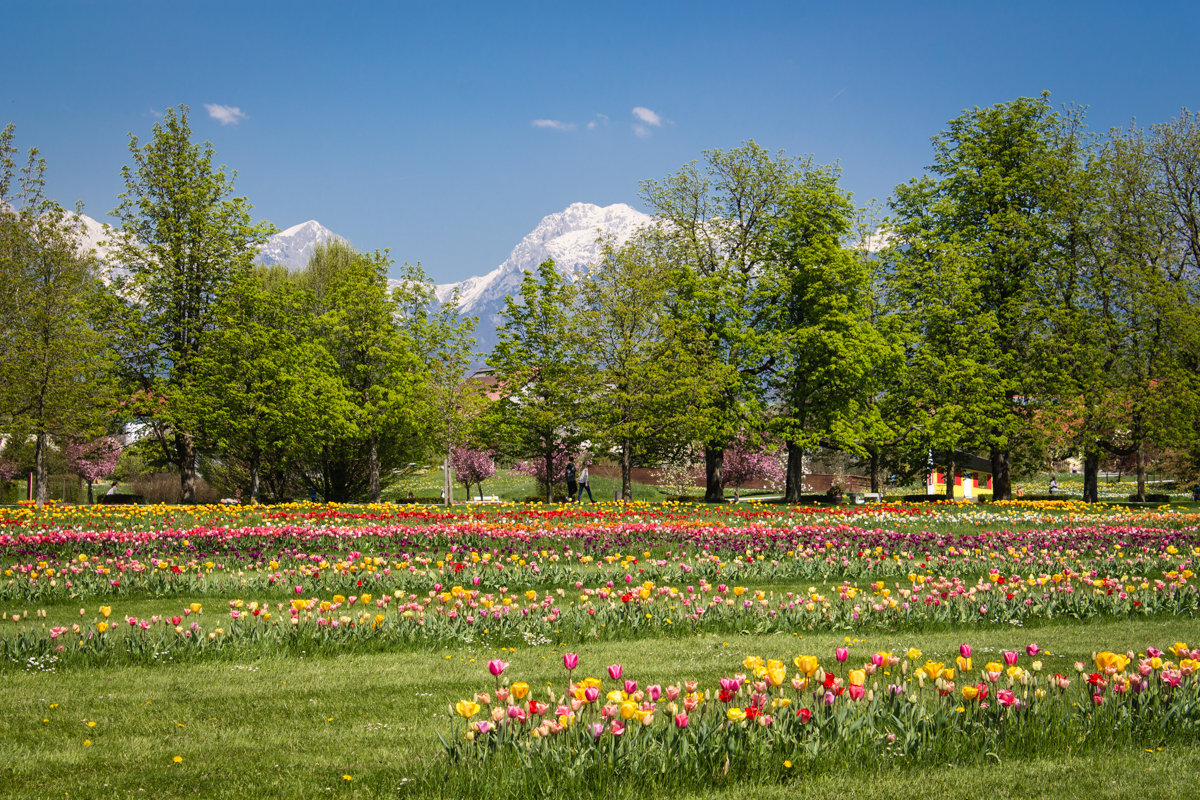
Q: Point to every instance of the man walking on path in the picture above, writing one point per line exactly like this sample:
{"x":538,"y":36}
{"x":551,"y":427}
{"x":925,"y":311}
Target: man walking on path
{"x":585,"y":483}
{"x":572,"y":487}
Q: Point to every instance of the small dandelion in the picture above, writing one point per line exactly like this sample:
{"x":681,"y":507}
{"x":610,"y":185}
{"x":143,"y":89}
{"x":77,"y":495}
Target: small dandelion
{"x":347,"y":778}
{"x":178,"y":759}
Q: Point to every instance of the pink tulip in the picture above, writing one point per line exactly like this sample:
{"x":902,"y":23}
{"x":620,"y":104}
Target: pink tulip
{"x":615,"y":671}
{"x":964,"y":650}
{"x":597,"y":729}
{"x":655,"y":692}
{"x":681,"y":720}
{"x":1032,"y":650}
{"x":591,"y":694}
{"x":856,"y":692}
{"x":570,"y":660}
{"x":299,"y":589}
{"x":630,"y":686}
{"x":1006,"y":697}
{"x":496,"y":666}
{"x":672,"y":692}
{"x":877,"y":660}
{"x":841,"y":654}
{"x":1011,"y":657}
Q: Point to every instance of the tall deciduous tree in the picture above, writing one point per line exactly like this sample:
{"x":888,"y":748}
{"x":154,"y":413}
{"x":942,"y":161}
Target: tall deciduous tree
{"x":827,"y":346}
{"x":452,"y":403}
{"x":655,"y":383}
{"x":367,"y":330}
{"x":540,"y":367}
{"x":183,"y":241}
{"x":990,"y":212}
{"x":719,"y":217}
{"x":264,"y":390}
{"x":54,"y":366}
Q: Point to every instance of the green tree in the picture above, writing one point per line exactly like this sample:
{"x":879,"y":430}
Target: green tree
{"x":452,"y":404}
{"x":184,"y":240}
{"x":541,"y":371}
{"x":991,"y":213}
{"x":263,"y":390}
{"x":367,"y":329}
{"x":720,"y":218}
{"x":655,"y":383}
{"x":827,"y":346}
{"x":55,"y":383}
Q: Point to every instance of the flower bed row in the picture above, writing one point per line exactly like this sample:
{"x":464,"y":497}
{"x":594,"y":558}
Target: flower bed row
{"x":40,"y":567}
{"x":770,"y":719}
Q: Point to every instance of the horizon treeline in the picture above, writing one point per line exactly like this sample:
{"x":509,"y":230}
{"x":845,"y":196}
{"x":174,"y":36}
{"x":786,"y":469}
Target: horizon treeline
{"x":1033,"y":296}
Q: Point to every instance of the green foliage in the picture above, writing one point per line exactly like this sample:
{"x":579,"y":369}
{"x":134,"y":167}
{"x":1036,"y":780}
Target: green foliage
{"x":656,"y":384}
{"x":55,"y":378}
{"x":184,"y":241}
{"x":540,"y":365}
{"x":376,"y":366}
{"x":719,"y":220}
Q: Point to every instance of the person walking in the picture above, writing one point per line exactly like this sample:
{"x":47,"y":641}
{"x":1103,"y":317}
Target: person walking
{"x":585,"y":484}
{"x":572,"y":486}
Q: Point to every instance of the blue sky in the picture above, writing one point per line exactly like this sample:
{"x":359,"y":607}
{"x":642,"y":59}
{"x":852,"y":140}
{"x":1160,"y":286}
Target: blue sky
{"x":415,"y":126}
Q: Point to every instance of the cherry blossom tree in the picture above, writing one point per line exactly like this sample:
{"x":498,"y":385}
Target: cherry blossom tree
{"x":745,"y":462}
{"x":472,"y":466}
{"x":93,"y":460}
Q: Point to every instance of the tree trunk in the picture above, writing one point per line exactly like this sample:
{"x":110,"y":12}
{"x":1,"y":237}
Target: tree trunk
{"x":793,"y":485}
{"x":1001,"y":476}
{"x":254,"y":482}
{"x":40,"y":476}
{"x":626,"y":470}
{"x":876,"y":469}
{"x":185,"y":451}
{"x":1141,"y":471}
{"x":373,"y":470}
{"x":90,"y":500}
{"x":951,"y":468}
{"x":549,"y":476}
{"x":1091,"y":475}
{"x":714,"y":484}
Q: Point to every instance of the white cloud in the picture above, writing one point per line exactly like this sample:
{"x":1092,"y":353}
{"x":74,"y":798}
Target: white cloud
{"x":641,"y":130}
{"x":647,"y":116}
{"x":226,"y":115}
{"x":601,"y":119}
{"x":554,"y":124}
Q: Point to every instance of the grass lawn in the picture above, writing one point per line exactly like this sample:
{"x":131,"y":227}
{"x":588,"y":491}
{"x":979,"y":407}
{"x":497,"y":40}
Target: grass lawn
{"x":273,"y":726}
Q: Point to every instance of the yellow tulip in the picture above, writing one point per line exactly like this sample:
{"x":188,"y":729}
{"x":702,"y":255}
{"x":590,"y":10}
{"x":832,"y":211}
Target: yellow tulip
{"x":933,"y":669}
{"x":970,"y":693}
{"x":628,"y":710}
{"x":857,"y":677}
{"x":520,"y":689}
{"x":807,"y":664}
{"x":467,"y":708}
{"x":735,"y":714}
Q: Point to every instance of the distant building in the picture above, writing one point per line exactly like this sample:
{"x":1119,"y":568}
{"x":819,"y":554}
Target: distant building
{"x":972,"y":475}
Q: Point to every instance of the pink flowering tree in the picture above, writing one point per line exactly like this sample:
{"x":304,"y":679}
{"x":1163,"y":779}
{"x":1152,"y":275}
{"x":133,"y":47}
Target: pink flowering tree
{"x":93,"y":460}
{"x":472,"y":466}
{"x":745,"y":463}
{"x":536,"y":468}
{"x":8,"y":470}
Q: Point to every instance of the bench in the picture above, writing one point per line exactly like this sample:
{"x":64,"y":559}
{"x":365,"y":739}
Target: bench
{"x":858,"y":498}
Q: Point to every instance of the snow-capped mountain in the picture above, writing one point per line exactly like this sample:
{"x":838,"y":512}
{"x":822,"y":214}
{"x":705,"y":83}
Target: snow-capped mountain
{"x":570,"y":237}
{"x":93,"y":235}
{"x":293,"y":246}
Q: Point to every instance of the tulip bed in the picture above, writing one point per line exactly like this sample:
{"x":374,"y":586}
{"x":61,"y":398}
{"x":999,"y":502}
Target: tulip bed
{"x":145,"y":596}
